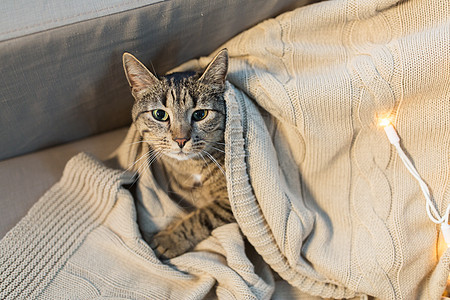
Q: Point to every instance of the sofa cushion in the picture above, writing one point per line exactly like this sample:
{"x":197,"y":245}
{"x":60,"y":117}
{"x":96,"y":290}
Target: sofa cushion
{"x":56,"y":13}
{"x":24,"y":179}
{"x":63,"y":80}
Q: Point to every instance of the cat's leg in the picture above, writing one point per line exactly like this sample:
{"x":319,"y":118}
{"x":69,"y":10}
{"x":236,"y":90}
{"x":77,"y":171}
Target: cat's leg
{"x":185,"y":234}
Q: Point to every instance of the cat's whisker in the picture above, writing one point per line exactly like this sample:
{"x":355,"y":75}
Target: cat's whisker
{"x":149,"y":161}
{"x":158,"y":155}
{"x":213,"y":142}
{"x":200,"y":154}
{"x":218,"y":143}
{"x":137,"y":174}
{"x":220,"y":150}
{"x":144,"y":141}
{"x":214,"y":161}
{"x":146,"y":165}
{"x":143,"y":156}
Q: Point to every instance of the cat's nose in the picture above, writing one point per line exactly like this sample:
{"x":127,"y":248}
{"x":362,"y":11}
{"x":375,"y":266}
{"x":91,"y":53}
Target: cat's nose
{"x":181,"y":141}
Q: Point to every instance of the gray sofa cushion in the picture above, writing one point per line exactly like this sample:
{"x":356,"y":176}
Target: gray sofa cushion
{"x":66,"y":82}
{"x":56,"y":13}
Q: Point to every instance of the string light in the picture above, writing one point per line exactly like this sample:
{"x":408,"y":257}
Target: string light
{"x":432,"y":212}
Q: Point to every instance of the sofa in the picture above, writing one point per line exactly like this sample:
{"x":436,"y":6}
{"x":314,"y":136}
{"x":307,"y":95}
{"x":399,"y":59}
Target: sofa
{"x":63,"y":88}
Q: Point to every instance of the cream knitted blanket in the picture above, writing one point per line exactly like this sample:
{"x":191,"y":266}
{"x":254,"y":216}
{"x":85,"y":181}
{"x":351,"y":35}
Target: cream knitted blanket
{"x":314,"y":183}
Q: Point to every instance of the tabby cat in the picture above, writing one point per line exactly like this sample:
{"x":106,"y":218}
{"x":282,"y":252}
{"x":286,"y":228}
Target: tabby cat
{"x":182,"y":118}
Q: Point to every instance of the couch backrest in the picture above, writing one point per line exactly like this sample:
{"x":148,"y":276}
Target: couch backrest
{"x":65,"y":81}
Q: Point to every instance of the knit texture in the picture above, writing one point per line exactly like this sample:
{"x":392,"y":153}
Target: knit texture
{"x":37,"y":248}
{"x":82,"y":241}
{"x":314,"y":183}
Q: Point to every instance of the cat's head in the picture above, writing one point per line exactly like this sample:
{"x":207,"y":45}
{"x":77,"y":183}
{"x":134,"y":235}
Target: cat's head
{"x":181,"y":115}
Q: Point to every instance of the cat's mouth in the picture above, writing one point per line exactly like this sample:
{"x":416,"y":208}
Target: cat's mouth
{"x":180,"y":155}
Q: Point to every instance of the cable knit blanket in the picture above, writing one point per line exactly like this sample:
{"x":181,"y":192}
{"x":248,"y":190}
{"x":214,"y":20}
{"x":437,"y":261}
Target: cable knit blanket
{"x":316,"y":187}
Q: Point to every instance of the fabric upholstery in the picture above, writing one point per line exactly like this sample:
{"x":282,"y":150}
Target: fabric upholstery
{"x":18,"y":19}
{"x":67,"y":82}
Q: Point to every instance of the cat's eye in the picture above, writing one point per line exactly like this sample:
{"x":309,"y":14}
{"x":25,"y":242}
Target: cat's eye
{"x":199,"y":115}
{"x":160,"y":115}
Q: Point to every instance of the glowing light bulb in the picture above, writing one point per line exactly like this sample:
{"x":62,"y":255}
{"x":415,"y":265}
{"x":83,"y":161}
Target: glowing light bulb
{"x":384,"y":122}
{"x":432,"y":212}
{"x":390,"y":131}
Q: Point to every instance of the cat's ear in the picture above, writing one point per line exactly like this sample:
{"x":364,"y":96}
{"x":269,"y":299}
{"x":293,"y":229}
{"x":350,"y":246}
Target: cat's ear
{"x":138,"y":76}
{"x":216,"y":71}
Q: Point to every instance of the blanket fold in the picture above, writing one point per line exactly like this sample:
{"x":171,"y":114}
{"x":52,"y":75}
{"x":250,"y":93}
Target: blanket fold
{"x":35,"y":250}
{"x":82,"y":241}
{"x":321,"y":193}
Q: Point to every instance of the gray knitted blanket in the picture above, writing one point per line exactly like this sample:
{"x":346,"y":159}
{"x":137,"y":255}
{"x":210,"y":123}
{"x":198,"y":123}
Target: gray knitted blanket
{"x":315,"y":185}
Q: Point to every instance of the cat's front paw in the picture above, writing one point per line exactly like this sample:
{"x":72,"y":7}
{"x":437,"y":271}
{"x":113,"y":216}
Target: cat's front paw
{"x":166,"y":245}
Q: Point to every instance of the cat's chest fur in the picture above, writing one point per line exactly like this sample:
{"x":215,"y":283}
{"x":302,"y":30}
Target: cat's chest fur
{"x":193,"y":183}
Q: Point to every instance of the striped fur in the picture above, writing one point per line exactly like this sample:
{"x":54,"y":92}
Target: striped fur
{"x":190,"y":150}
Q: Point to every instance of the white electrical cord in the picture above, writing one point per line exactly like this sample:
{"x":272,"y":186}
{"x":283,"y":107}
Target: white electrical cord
{"x":432,"y":212}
